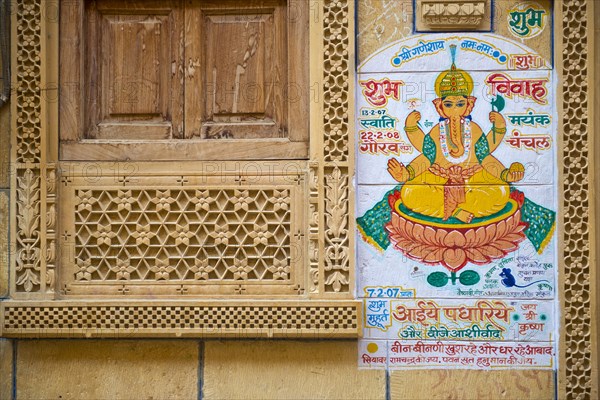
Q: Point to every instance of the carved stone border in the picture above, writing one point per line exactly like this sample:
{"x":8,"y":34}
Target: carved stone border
{"x":34,"y":219}
{"x":577,"y":352}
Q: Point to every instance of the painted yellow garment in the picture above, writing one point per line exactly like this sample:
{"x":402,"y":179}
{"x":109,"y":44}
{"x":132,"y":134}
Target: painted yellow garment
{"x":484,"y":194}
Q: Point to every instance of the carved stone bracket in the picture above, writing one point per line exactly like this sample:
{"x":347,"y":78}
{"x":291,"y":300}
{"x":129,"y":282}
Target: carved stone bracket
{"x":577,"y":297}
{"x":464,"y":15}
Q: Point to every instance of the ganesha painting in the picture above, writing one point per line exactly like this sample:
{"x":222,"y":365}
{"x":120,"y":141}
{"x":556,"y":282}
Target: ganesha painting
{"x":455,"y":202}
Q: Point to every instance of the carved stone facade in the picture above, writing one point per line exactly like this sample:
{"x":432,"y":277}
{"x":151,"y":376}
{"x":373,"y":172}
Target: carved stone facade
{"x":449,"y":15}
{"x":577,"y":305}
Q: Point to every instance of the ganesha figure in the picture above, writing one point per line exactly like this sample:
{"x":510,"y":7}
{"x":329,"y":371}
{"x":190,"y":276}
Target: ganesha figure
{"x":456,"y":174}
{"x":455,"y":203}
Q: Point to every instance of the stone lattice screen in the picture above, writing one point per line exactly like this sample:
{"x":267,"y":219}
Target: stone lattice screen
{"x":51,"y":295}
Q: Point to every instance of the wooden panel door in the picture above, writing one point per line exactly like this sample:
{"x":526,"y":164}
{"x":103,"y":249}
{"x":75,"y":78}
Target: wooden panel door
{"x":244,"y":71}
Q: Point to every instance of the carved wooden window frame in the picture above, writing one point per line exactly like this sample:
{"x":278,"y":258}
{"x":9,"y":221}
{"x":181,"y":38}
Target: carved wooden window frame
{"x":323,"y":305}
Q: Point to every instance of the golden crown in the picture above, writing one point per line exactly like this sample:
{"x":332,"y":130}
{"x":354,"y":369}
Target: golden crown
{"x":453,"y":82}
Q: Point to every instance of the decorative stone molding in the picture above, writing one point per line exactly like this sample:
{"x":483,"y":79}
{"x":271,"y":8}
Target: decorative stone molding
{"x":451,"y":15}
{"x":337,"y":274}
{"x":34,"y":223}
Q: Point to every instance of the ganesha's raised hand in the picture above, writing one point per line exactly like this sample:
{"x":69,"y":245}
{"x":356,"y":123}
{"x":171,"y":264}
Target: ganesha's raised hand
{"x":498,"y":120}
{"x":412,"y":119}
{"x":397,"y":170}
